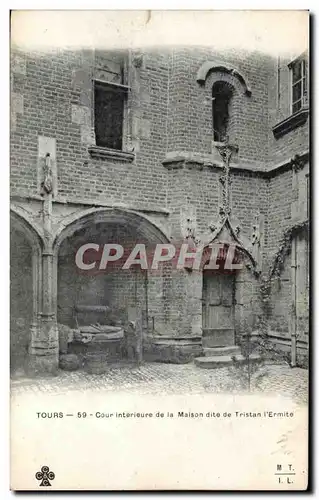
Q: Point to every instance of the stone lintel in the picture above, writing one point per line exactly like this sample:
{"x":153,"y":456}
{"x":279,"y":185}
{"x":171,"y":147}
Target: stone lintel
{"x":111,"y":154}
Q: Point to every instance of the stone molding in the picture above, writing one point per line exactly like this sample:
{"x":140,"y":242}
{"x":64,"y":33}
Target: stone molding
{"x":79,"y":219}
{"x":111,"y":154}
{"x":292,"y":122}
{"x":59,"y":200}
{"x":31,"y":228}
{"x":185,"y":159}
{"x":222,"y":67}
{"x":227,"y":231}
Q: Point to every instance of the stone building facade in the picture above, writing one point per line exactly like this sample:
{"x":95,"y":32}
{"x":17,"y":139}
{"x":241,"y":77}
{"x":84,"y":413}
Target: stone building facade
{"x":159,"y":146}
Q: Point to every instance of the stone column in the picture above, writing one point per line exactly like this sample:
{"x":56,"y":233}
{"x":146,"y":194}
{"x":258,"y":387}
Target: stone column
{"x":44,"y":350}
{"x":37,"y":301}
{"x":194,"y":288}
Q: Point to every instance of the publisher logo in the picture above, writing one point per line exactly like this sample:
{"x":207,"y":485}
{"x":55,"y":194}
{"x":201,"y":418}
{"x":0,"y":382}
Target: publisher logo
{"x":45,"y":476}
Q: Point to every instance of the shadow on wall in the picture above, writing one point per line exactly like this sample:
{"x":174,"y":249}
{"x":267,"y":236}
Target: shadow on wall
{"x":21,"y":300}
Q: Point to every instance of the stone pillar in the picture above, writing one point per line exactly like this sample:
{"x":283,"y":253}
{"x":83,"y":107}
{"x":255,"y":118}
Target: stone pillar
{"x":37,"y":301}
{"x":44,"y":349}
{"x":194,"y":289}
{"x":186,"y":303}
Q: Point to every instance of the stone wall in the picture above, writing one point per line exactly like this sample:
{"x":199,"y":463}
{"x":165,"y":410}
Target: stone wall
{"x":168,"y":165}
{"x":129,"y":293}
{"x":52,"y":97}
{"x":190,"y":122}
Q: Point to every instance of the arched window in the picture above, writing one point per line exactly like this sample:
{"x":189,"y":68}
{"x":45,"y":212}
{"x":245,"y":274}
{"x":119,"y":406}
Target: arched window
{"x":225,"y":91}
{"x":221,"y":99}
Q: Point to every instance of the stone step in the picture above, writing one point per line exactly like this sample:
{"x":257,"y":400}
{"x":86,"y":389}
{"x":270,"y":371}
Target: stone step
{"x":232,"y":350}
{"x":220,"y":361}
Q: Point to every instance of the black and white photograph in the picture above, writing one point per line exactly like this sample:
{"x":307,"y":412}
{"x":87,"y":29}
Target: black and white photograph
{"x":159,"y":250}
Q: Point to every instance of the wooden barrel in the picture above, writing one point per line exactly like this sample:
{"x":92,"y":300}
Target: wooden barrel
{"x":95,"y":362}
{"x":69,"y":362}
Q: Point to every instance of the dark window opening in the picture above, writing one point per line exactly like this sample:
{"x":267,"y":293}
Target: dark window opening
{"x":109,"y":113}
{"x":221,"y":94}
{"x":299,"y":84}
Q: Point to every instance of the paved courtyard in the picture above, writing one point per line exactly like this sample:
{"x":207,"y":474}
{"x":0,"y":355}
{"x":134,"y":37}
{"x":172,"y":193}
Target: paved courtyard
{"x":165,"y":379}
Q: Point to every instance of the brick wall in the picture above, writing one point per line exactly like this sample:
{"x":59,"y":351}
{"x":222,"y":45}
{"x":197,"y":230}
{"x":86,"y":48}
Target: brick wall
{"x":123,"y":290}
{"x":279,"y":209}
{"x":167,"y":111}
{"x":190,"y":107}
{"x":52,"y":97}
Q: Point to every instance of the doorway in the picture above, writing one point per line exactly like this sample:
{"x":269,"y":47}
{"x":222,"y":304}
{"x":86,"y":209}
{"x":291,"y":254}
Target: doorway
{"x":218,"y":303}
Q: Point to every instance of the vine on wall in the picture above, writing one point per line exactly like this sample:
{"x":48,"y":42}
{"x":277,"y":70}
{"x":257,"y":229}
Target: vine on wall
{"x":285,"y":247}
{"x":266,"y":284}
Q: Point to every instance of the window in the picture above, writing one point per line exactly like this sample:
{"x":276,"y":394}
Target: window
{"x":110,"y":94}
{"x":299,"y":84}
{"x":221,"y":97}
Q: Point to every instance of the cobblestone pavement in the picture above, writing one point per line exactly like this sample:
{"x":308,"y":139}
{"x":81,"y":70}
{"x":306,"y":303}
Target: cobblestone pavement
{"x":164,"y":379}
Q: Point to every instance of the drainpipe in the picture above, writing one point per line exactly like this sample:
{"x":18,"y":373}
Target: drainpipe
{"x":146,"y":300}
{"x":294,"y":303}
{"x":294,"y":208}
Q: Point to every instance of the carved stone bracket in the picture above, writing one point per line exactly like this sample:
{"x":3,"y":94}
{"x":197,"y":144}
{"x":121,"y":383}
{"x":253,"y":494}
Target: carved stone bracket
{"x":297,"y":163}
{"x":137,"y":60}
{"x":225,"y":151}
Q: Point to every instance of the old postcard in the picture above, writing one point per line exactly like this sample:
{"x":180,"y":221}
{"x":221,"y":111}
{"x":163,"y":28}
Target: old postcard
{"x":159,"y":250}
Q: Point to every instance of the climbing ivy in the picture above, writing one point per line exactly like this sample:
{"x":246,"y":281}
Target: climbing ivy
{"x":266,"y":284}
{"x":285,"y":247}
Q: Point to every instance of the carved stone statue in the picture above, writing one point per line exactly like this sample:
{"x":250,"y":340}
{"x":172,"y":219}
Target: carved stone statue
{"x":255,"y":242}
{"x":48,"y":178}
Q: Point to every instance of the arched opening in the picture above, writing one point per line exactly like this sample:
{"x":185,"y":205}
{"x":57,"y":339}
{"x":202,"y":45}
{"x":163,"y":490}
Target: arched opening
{"x":105,"y":299}
{"x":222,"y":94}
{"x":24,"y":287}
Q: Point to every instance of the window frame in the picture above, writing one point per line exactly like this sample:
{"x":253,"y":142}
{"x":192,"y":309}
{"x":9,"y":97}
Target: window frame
{"x":122,"y":87}
{"x":303,"y":80}
{"x":228,"y":98}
